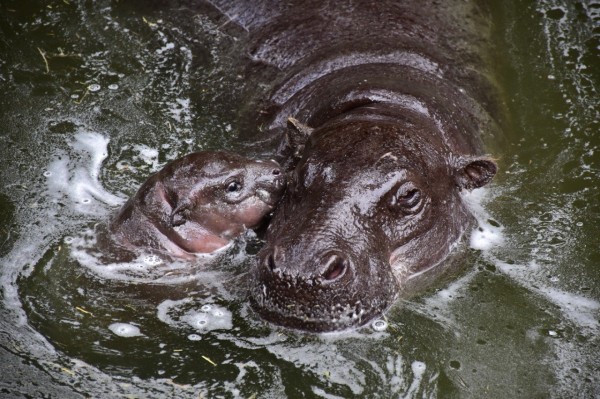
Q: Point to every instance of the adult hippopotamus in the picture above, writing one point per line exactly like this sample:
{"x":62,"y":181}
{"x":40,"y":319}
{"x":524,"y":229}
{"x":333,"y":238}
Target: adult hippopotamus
{"x":380,"y":108}
{"x":198,"y":204}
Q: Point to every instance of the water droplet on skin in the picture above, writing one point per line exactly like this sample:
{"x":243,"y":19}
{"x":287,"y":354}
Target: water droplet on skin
{"x":379,"y":325}
{"x":94,"y":87}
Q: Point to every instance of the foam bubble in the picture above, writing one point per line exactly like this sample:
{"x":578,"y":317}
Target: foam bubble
{"x":185,"y":312}
{"x":218,"y":318}
{"x":194,"y":337}
{"x":379,"y":325}
{"x":125,"y":330}
{"x":94,"y":87}
{"x":153,"y":260}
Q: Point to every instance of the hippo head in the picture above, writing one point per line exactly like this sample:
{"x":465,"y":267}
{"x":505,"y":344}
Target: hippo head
{"x":370,"y":202}
{"x":211,"y":197}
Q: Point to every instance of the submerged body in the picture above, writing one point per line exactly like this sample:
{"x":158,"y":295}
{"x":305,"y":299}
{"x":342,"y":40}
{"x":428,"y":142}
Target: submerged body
{"x":198,"y":204}
{"x":380,"y":108}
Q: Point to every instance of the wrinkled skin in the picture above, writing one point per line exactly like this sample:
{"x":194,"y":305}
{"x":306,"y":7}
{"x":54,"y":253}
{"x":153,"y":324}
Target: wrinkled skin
{"x":379,"y":109}
{"x":198,"y":204}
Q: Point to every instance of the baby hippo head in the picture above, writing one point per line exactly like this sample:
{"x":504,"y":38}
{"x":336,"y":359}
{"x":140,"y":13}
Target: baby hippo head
{"x":223,"y":192}
{"x":199,"y":203}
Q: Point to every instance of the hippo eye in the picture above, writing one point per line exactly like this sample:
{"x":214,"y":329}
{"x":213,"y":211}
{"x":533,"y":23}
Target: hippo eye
{"x":234,"y":186}
{"x":407,"y":198}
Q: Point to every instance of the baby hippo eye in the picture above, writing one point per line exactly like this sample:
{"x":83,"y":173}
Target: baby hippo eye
{"x":234,"y":186}
{"x":407,"y":198}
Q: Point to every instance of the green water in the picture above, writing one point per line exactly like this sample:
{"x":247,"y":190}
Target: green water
{"x":522,"y":322}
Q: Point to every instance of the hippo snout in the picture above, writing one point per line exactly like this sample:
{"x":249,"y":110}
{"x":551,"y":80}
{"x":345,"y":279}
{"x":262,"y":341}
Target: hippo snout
{"x":323,"y":293}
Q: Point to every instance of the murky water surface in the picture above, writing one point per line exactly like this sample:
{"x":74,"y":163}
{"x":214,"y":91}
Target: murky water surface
{"x":97,"y":95}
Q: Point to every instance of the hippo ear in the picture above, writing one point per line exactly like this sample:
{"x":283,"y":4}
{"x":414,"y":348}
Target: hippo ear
{"x":291,"y":147}
{"x":474,"y":172}
{"x":297,"y":135}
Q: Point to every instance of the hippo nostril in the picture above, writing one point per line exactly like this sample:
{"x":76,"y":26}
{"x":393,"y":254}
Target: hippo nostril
{"x":334,"y":267}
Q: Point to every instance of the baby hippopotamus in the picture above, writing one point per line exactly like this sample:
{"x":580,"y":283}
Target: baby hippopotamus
{"x":198,"y":204}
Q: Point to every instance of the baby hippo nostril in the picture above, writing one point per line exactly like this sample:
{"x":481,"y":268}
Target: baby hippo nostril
{"x":335,"y":266}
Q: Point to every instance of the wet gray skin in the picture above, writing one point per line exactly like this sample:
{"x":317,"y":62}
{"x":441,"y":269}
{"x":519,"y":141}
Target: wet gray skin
{"x":198,"y":204}
{"x":380,"y":108}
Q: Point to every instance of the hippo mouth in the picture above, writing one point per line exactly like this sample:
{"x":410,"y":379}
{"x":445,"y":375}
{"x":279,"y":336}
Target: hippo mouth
{"x":268,"y":197}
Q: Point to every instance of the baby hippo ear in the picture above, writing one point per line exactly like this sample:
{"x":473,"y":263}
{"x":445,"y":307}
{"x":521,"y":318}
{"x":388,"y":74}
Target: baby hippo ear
{"x":474,"y":172}
{"x":178,"y":215}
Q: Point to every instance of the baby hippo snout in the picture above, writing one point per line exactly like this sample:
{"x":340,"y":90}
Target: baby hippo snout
{"x":271,"y":183}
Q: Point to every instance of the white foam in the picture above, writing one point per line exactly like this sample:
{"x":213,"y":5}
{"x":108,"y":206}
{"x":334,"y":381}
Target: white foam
{"x":582,"y":311}
{"x":418,"y":369}
{"x":144,"y":268}
{"x":125,"y":330}
{"x":486,"y":235}
{"x":321,"y":393}
{"x":148,"y":155}
{"x":74,"y":180}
